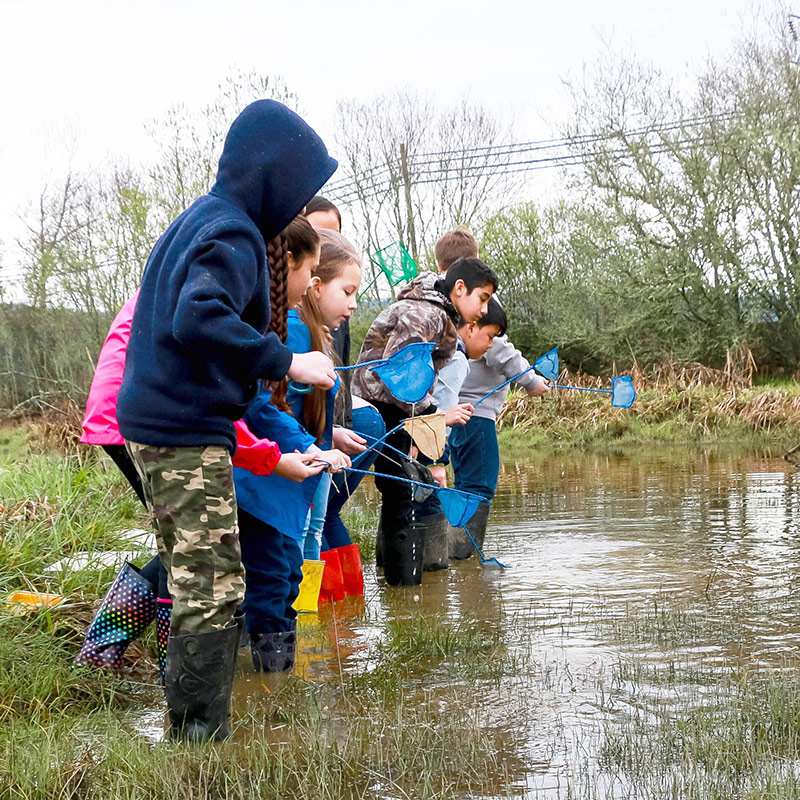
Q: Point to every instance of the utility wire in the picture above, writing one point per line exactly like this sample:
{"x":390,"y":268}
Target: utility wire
{"x":345,"y":185}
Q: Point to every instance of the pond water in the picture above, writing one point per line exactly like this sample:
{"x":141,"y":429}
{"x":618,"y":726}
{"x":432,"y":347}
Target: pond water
{"x":624,"y":567}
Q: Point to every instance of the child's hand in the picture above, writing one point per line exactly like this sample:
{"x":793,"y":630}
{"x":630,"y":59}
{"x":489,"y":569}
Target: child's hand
{"x":439,"y":474}
{"x":540,"y":388}
{"x":335,"y":458}
{"x":314,"y":368}
{"x":458,"y":415}
{"x":348,"y":441}
{"x":297,"y":466}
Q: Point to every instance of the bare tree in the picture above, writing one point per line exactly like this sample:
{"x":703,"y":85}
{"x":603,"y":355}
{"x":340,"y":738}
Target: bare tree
{"x":410,"y":170}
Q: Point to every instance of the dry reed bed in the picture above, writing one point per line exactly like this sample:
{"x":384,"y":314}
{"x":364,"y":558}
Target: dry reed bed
{"x":699,"y":398}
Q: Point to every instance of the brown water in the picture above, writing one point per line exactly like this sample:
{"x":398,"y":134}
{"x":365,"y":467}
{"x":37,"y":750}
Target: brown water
{"x":649,"y":559}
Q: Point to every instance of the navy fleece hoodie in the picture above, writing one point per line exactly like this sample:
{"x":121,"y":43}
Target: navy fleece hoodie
{"x":198,"y":341}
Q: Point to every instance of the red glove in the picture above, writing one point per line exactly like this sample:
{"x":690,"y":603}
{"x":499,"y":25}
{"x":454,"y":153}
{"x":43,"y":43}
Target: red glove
{"x":258,"y":456}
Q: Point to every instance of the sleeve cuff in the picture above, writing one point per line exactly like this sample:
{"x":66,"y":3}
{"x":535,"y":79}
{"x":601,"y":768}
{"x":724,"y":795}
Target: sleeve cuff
{"x":275,"y":360}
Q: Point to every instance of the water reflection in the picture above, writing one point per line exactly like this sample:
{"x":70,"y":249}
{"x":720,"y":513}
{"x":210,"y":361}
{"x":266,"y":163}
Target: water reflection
{"x":704,"y":544}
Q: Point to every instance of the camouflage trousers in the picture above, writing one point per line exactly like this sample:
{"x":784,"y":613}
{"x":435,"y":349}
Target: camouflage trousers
{"x":190,"y":496}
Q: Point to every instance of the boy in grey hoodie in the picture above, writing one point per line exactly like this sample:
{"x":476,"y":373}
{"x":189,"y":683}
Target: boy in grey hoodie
{"x":474,"y":452}
{"x":427,"y":310}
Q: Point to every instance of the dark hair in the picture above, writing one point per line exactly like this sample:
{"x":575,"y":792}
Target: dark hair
{"x":472,"y":271}
{"x":301,"y":240}
{"x":320,"y":203}
{"x":456,"y":244}
{"x":495,"y":315}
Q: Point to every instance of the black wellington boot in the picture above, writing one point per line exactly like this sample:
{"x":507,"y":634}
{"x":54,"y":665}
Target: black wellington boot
{"x":127,"y":609}
{"x":199,"y":683}
{"x":435,"y":548}
{"x":402,"y":554}
{"x":379,"y":546}
{"x":459,"y":544}
{"x":274,"y":652}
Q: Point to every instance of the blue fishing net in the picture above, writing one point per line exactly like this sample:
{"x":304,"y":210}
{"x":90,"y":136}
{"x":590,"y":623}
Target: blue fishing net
{"x":409,"y":373}
{"x":458,"y":506}
{"x":622,"y":392}
{"x":547,"y":365}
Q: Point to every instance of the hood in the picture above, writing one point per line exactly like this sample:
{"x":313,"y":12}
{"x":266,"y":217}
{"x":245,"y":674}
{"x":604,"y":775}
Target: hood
{"x":423,"y":287}
{"x":272,"y":164}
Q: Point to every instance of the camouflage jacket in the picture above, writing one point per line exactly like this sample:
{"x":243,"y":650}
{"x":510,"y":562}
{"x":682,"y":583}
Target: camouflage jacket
{"x":421,"y":314}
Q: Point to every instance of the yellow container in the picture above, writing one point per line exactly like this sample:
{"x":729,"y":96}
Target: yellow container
{"x":309,"y":586}
{"x":36,"y":598}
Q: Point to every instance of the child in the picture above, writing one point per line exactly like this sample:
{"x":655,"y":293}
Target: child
{"x":474,"y":452}
{"x":274,"y":513}
{"x":354,"y":420}
{"x":330,"y":301}
{"x":137,"y":596}
{"x":323,"y":214}
{"x":198,"y":346}
{"x":326,"y":306}
{"x":427,"y":310}
{"x":475,"y":339}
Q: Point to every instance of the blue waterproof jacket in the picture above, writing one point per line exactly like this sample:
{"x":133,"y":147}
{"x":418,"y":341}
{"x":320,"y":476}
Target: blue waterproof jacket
{"x":279,"y":502}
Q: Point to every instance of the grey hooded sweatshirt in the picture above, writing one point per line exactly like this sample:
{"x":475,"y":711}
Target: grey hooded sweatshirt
{"x":501,"y":362}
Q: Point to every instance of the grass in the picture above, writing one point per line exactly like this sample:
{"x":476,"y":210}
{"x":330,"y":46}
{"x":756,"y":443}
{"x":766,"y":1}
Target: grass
{"x":69,"y":733}
{"x":431,"y":706}
{"x":662,"y":414}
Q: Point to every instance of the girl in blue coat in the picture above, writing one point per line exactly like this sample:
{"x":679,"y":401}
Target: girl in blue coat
{"x":273,"y":511}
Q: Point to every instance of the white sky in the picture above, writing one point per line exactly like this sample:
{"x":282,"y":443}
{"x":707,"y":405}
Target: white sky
{"x":93,"y":72}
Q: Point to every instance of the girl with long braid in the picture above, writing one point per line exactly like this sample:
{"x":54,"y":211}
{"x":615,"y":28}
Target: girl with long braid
{"x":273,"y":511}
{"x":137,"y":596}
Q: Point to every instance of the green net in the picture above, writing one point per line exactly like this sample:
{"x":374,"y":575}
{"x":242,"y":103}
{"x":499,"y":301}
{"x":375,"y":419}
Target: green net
{"x":395,"y":263}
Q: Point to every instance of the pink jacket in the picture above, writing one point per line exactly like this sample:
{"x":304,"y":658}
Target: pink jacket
{"x":258,"y":456}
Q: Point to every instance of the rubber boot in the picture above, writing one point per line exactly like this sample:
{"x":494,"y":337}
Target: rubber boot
{"x":458,"y":542}
{"x":163,"y":617}
{"x":199,"y":683}
{"x":124,"y":613}
{"x":402,"y":552}
{"x":274,"y":652}
{"x":308,"y":592}
{"x":332,"y":586}
{"x":434,"y":532}
{"x":352,"y":570}
{"x":379,"y":546}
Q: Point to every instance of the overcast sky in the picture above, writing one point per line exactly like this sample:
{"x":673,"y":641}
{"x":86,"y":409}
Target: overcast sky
{"x":93,"y":72}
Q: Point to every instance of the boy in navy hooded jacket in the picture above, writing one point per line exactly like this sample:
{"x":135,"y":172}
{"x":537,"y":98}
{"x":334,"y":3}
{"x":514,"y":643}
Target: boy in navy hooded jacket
{"x":202,"y":338}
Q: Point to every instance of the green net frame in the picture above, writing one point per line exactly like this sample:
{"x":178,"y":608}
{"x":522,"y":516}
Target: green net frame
{"x":395,"y":263}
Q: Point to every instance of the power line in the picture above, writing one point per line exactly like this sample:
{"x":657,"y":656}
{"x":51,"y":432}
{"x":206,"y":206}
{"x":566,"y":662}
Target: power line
{"x":543,"y":144}
{"x":375,"y":189}
{"x":346,"y":185}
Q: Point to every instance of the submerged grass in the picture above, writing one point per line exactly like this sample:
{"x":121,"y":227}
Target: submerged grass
{"x":436,"y":706}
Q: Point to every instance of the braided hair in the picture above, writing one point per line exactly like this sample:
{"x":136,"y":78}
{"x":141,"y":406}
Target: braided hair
{"x":278,"y":256}
{"x":300,"y":240}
